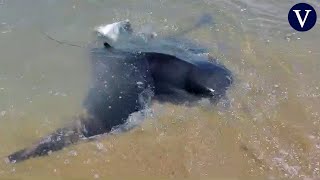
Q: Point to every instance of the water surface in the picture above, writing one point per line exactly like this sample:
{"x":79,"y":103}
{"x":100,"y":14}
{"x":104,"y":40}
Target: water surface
{"x":269,"y":131}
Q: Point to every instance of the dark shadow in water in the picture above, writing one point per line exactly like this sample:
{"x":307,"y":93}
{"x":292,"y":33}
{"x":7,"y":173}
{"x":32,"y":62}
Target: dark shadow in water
{"x":119,"y":82}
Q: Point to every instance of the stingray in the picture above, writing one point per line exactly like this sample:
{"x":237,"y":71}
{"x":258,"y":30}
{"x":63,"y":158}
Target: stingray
{"x":126,"y":80}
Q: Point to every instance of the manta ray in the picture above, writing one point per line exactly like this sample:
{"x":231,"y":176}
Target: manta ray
{"x":124,"y":80}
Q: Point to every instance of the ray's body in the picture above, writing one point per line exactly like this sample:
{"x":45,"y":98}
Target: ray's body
{"x":121,"y":82}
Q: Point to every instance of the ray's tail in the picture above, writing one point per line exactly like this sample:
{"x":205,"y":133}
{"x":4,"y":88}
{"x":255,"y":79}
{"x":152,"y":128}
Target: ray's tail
{"x":56,"y":141}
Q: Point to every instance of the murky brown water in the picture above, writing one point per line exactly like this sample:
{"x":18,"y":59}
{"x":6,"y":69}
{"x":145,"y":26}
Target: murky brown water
{"x":270,"y":130}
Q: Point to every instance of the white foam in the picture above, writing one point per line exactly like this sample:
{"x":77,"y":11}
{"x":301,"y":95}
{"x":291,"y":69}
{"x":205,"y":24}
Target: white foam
{"x":115,"y":31}
{"x":121,"y":35}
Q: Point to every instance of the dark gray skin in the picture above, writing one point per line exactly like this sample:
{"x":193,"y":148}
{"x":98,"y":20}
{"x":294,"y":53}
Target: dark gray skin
{"x":174,"y":78}
{"x":120,"y":86}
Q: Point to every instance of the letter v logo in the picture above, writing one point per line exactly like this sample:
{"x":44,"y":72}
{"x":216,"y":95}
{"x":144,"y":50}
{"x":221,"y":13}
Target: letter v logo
{"x":302,"y":17}
{"x":302,"y":22}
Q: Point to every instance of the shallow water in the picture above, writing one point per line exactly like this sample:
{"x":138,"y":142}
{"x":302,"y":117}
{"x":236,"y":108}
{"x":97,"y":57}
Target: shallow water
{"x":270,"y":129}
